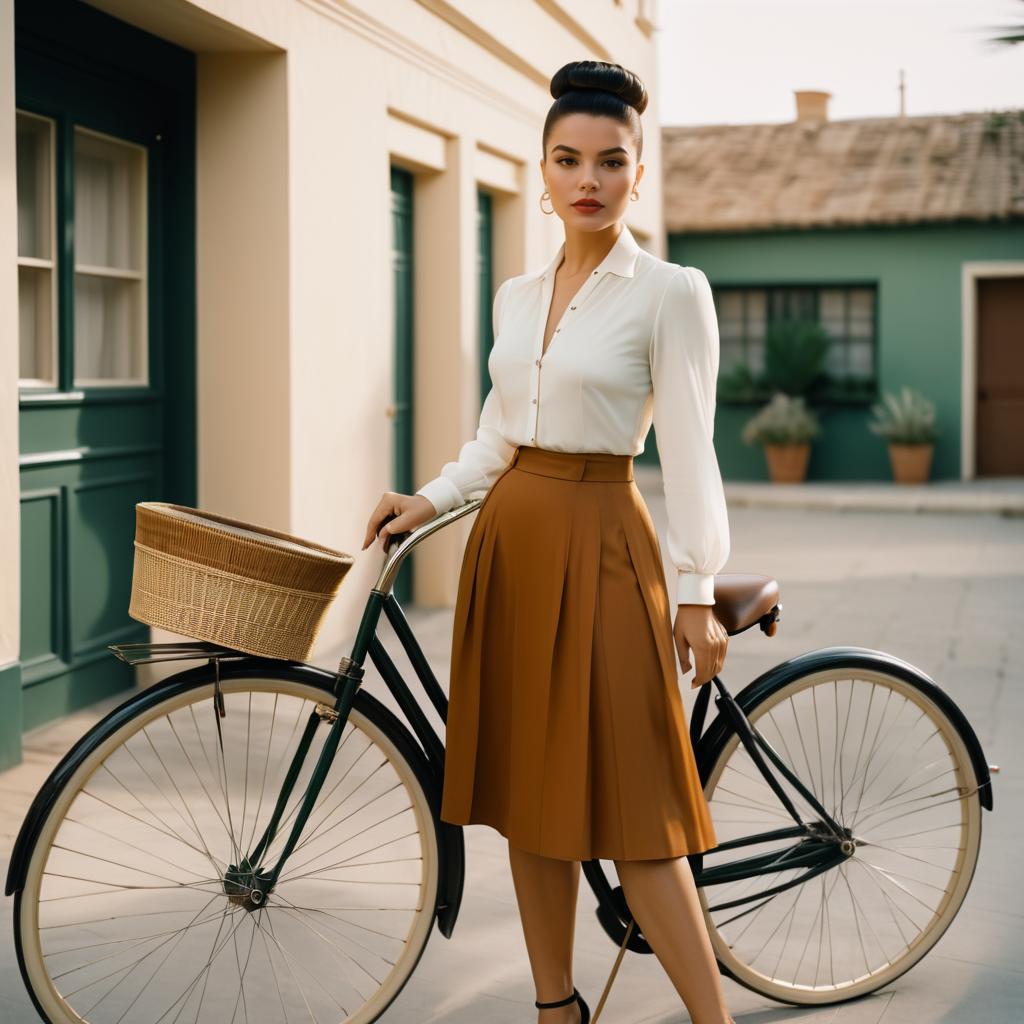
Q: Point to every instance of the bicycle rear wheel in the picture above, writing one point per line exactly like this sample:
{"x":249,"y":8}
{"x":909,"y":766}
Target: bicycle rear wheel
{"x":128,"y":912}
{"x":887,"y":762}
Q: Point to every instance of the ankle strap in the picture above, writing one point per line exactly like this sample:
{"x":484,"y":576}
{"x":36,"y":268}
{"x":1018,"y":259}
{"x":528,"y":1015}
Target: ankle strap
{"x":561,"y":1002}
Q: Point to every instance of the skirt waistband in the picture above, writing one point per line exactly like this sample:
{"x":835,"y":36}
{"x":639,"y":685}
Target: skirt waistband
{"x":573,"y":465}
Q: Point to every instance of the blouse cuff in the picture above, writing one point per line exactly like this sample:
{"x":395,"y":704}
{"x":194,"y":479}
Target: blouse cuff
{"x":695,"y":588}
{"x":442,"y":494}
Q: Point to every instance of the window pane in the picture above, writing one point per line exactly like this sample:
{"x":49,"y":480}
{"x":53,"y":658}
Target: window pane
{"x":756,"y":325}
{"x":862,"y":359}
{"x":792,"y":304}
{"x":730,"y":312}
{"x":862,"y":303}
{"x":730,"y":353}
{"x":36,"y":280}
{"x":832,"y":304}
{"x":35,"y":324}
{"x":757,"y":307}
{"x":862,"y":313}
{"x":109,"y":212}
{"x":107,"y":320}
{"x":835,"y":359}
{"x":832,"y":313}
{"x":757,"y":313}
{"x":755,"y":356}
{"x":110,"y":261}
{"x":35,"y":186}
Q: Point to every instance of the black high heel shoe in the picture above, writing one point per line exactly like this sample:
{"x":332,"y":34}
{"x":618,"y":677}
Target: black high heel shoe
{"x":584,"y":1009}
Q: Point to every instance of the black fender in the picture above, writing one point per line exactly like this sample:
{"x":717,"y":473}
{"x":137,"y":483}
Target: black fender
{"x":451,"y":876}
{"x":714,"y":739}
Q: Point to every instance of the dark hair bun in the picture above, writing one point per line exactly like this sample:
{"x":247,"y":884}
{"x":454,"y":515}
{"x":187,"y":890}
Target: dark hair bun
{"x":599,"y":75}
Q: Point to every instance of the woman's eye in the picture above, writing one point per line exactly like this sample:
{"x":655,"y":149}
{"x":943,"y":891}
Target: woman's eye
{"x":618,"y":163}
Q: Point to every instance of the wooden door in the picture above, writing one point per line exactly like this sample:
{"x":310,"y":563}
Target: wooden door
{"x":999,"y":422}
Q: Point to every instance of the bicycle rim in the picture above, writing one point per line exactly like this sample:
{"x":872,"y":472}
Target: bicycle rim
{"x":887,"y":763}
{"x":126,"y":914}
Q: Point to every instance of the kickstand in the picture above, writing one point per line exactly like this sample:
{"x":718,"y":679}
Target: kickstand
{"x":611,"y":977}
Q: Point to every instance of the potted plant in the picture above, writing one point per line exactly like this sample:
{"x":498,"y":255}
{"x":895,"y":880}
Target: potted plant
{"x":785,"y":426}
{"x":739,"y":385}
{"x":907,"y":422}
{"x":794,"y":356}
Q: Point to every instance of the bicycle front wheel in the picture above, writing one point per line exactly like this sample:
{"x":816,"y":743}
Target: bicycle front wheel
{"x":134,"y":906}
{"x":888,"y":764}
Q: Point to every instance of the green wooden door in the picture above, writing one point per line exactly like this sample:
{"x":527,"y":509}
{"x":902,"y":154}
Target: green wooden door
{"x":106,"y":267}
{"x":401,"y":404}
{"x":485,"y":285}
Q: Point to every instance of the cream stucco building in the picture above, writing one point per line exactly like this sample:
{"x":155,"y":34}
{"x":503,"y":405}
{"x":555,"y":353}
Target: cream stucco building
{"x":251,"y":250}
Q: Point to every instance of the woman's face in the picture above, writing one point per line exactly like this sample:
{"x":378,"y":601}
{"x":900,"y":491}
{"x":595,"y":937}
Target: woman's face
{"x":590,"y":157}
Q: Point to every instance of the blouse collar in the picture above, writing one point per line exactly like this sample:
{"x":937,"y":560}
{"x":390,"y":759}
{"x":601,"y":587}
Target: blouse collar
{"x":620,"y":259}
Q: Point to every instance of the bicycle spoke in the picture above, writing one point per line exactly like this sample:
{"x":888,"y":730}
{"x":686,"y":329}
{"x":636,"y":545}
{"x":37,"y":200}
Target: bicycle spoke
{"x":138,"y":918}
{"x":886,"y":765}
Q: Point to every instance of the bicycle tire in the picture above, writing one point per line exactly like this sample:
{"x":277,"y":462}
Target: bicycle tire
{"x":368,"y":729}
{"x":959,"y":841}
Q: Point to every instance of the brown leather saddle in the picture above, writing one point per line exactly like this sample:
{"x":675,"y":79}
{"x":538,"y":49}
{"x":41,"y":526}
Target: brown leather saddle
{"x":743,"y":599}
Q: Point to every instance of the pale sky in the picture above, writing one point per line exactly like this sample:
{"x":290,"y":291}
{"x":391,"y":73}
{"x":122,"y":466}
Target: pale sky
{"x":738,"y":61}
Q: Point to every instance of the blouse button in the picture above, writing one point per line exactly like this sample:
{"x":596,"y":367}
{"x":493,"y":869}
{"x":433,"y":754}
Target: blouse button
{"x":537,"y":361}
{"x":572,"y":307}
{"x":557,"y":329}
{"x":535,"y":401}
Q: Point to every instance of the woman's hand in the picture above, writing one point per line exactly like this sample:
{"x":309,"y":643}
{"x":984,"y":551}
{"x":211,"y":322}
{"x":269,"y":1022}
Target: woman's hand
{"x":697,"y":628}
{"x":397,"y":513}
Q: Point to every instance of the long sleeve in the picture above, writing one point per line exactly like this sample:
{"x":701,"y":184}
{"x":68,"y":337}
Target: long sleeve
{"x":480,"y":461}
{"x":684,"y":359}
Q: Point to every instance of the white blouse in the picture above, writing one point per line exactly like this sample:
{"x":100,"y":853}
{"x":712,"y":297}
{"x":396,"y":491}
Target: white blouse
{"x":637,"y":342}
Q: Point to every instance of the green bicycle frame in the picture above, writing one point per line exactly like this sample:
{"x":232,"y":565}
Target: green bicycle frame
{"x":819,"y":845}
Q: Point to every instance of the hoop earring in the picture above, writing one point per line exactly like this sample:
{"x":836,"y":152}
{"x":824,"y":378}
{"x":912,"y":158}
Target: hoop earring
{"x":634,"y":195}
{"x":546,"y":195}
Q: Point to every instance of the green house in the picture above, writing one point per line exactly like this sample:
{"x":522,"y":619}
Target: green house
{"x":902,"y":237}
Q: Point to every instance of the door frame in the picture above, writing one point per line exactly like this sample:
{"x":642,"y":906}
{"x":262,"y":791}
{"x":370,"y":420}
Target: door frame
{"x":970,"y":273}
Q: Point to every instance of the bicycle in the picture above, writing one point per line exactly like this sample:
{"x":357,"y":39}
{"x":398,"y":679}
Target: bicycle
{"x":260,"y":838}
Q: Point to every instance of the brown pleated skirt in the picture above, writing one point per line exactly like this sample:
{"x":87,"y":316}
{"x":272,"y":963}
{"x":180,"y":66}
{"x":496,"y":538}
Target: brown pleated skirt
{"x":566,"y":730}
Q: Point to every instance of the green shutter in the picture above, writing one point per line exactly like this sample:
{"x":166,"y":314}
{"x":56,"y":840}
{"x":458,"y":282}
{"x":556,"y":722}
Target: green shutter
{"x":402,"y":420}
{"x":485,"y":285}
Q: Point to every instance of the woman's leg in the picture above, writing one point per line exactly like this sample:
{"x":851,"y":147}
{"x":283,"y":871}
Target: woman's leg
{"x":663,"y":897}
{"x":546,"y":891}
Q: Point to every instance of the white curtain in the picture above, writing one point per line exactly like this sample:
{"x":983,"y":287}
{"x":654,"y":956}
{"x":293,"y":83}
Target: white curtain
{"x":35,"y":284}
{"x":109,"y":333}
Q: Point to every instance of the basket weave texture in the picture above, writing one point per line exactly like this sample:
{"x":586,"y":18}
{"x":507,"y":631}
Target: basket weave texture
{"x":242,"y":586}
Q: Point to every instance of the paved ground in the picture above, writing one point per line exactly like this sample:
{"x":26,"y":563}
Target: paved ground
{"x":944,"y":591}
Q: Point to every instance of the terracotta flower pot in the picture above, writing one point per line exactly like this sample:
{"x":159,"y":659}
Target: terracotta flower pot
{"x":911,"y":463}
{"x":787,"y":463}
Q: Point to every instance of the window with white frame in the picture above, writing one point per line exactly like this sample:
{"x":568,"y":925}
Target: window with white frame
{"x":110,"y":261}
{"x":845,"y":312}
{"x":109,"y":339}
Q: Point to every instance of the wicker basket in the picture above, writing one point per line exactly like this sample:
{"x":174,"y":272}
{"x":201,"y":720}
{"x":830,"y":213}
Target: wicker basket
{"x":243,"y":586}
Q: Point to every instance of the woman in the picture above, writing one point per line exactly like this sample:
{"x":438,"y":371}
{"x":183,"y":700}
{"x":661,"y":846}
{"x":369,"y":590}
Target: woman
{"x":565,"y":729}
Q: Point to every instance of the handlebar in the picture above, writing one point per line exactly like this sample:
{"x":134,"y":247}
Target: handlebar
{"x":399,"y":545}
